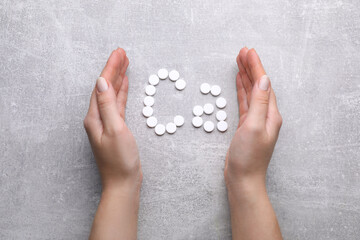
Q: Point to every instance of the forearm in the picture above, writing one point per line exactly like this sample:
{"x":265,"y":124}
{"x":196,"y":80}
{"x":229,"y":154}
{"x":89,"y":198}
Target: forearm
{"x":252,"y":216}
{"x":117,"y":214}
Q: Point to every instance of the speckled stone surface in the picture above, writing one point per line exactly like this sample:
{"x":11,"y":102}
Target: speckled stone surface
{"x":51,"y":53}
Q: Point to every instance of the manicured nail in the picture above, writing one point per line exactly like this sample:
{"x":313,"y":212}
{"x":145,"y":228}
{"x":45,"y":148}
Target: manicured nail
{"x":101,"y":84}
{"x":264,"y":83}
{"x":118,"y":49}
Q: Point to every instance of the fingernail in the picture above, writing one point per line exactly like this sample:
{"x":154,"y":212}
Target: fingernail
{"x":101,"y":84}
{"x":264,"y":83}
{"x":118,"y":49}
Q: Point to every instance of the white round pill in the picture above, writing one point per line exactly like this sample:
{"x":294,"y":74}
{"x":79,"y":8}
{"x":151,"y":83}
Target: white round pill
{"x":163,"y":73}
{"x":180,"y":84}
{"x":221,"y":115}
{"x":179,"y":120}
{"x":215,"y":90}
{"x":222,"y":126}
{"x":208,"y":108}
{"x":197,"y":121}
{"x":198,"y":110}
{"x":221,"y":102}
{"x":160,"y":129}
{"x":151,"y":122}
{"x":174,"y":75}
{"x":209,"y":126}
{"x":205,"y":88}
{"x":171,"y":128}
{"x":150,"y":90}
{"x":147,"y":111}
{"x":149,"y":101}
{"x":154,"y":80}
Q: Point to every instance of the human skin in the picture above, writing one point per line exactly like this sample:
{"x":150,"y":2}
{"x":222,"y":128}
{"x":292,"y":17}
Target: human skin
{"x":116,"y":153}
{"x":117,"y":157}
{"x":252,"y":215}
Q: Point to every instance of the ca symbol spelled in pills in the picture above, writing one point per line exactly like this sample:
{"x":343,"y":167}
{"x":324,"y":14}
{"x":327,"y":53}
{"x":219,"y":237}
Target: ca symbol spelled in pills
{"x":198,"y":110}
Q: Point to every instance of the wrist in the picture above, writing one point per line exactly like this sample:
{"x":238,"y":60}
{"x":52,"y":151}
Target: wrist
{"x":126,"y":187}
{"x":245,"y":187}
{"x":121,"y":194}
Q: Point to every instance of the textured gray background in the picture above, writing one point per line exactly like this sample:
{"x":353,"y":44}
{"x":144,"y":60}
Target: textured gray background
{"x":52,"y":51}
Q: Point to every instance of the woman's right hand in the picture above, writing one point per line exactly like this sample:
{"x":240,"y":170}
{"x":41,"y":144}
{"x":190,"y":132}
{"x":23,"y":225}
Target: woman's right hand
{"x":252,"y":216}
{"x":260,"y":121}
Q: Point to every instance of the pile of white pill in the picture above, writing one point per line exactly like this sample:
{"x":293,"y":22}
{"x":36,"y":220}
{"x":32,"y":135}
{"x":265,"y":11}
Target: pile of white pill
{"x":149,"y":101}
{"x":208,"y":109}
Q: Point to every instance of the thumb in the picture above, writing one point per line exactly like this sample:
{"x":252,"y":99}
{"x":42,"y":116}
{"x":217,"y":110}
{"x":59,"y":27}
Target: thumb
{"x":106,"y":100}
{"x":259,"y":102}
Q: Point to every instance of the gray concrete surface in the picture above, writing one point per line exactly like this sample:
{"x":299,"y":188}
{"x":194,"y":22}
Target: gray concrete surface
{"x":52,"y":51}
